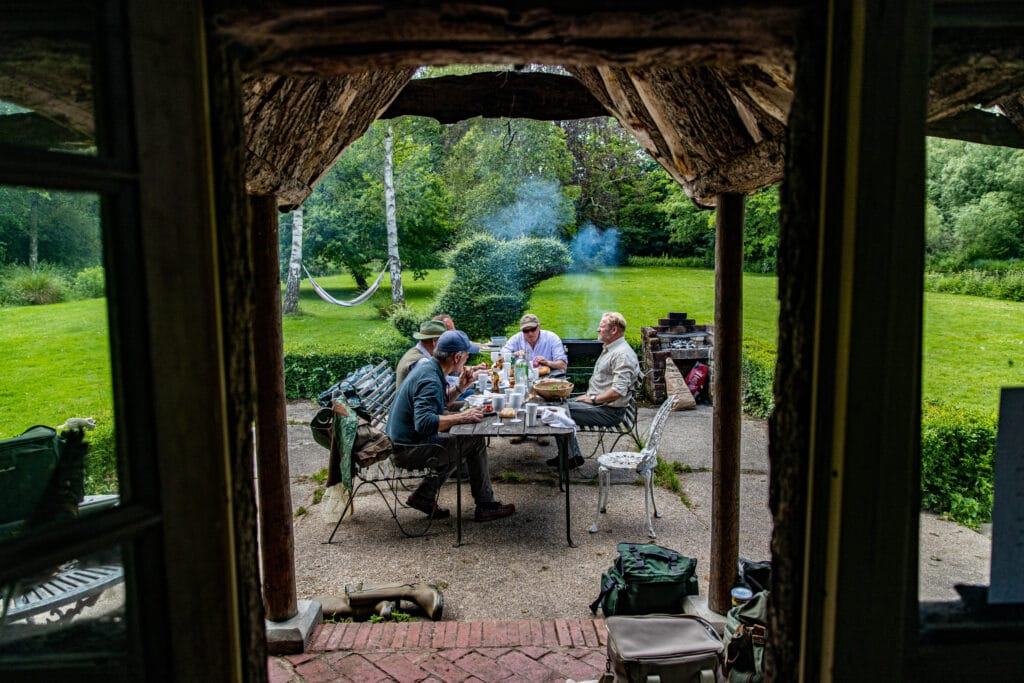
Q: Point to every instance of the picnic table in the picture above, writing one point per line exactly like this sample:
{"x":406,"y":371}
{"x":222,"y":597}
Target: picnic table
{"x":488,"y":428}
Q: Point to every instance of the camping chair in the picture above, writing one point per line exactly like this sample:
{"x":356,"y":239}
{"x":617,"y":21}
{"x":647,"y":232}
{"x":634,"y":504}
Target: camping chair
{"x":642,"y":463}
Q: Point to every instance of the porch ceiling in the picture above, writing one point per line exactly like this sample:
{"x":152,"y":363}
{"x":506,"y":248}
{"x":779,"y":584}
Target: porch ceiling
{"x":706,"y":88}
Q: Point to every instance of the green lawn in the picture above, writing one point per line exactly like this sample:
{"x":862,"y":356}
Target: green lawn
{"x":56,"y":360}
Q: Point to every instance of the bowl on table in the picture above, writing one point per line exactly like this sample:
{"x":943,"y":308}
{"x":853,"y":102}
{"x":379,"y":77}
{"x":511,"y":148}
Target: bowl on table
{"x":553,"y":388}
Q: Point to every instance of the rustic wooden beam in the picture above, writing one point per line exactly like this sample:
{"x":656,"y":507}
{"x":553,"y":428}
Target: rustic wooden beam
{"x":34,"y":130}
{"x":975,"y":125}
{"x":311,"y":37}
{"x":277,"y":545}
{"x":726,"y":389}
{"x":500,"y":94}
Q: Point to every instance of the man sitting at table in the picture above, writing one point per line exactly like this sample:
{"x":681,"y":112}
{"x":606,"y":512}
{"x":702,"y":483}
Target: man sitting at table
{"x":608,"y":392}
{"x":426,"y":338}
{"x":544,"y":347}
{"x":418,"y":426}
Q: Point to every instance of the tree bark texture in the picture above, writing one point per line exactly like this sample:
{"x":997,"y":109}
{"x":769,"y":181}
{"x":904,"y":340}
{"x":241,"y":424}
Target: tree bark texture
{"x":296,"y":128}
{"x":235,"y":248}
{"x":390,"y":210}
{"x":789,"y":424}
{"x":291,"y":290}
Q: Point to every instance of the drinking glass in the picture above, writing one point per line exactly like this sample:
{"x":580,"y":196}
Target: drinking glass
{"x":515,"y":401}
{"x":498,"y":402}
{"x":495,"y":355}
{"x":481,"y":384}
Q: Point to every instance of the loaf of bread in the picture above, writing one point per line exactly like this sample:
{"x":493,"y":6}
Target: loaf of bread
{"x":543,"y":370}
{"x":507,"y":412}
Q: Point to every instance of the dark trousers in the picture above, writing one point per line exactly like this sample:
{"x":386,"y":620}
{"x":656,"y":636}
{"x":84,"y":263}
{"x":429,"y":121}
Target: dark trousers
{"x":441,"y":455}
{"x":585,"y":414}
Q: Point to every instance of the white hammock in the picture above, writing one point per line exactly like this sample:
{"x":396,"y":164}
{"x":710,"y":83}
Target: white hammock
{"x":353,"y":302}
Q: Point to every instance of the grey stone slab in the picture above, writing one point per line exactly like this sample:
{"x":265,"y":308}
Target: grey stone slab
{"x":293,"y":635}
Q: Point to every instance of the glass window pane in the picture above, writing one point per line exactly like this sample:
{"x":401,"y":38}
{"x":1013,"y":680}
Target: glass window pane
{"x":46,"y":77}
{"x":75,"y":609}
{"x":56,"y":384}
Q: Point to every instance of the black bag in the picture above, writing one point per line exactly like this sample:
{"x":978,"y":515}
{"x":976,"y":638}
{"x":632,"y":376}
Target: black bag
{"x":746,"y":630}
{"x":757,"y":576}
{"x":646,"y":579}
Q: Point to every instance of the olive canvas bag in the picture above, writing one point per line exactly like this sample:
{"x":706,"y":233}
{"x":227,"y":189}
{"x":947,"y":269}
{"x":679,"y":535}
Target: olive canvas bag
{"x":646,"y":579}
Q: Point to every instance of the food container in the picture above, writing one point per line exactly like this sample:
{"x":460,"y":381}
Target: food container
{"x":741,"y":595}
{"x":498,"y":341}
{"x":553,"y":388}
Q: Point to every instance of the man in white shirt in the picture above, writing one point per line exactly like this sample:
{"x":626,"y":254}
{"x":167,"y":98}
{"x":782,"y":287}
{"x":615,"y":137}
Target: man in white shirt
{"x":540,"y":346}
{"x":608,"y":392}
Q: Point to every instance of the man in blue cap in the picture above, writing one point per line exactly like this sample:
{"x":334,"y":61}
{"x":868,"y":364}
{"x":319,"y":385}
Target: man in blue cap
{"x":418,"y":426}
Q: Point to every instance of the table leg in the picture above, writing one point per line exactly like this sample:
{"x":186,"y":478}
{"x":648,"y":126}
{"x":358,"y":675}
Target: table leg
{"x":563,"y":471}
{"x":458,"y":504}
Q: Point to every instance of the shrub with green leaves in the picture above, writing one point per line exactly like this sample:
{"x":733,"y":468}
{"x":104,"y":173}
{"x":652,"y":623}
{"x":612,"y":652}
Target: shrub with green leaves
{"x":957,"y":456}
{"x":23,"y":286}
{"x":89,"y":283}
{"x":494,"y":278}
{"x":406,"y":321}
{"x":758,"y":378}
{"x":101,"y":458}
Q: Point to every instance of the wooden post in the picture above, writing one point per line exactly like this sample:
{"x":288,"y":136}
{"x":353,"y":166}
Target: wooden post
{"x":277,"y":545}
{"x":725,"y":388}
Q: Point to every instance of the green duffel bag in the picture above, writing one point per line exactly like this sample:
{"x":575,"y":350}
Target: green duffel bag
{"x":41,"y":476}
{"x":646,"y":579}
{"x":746,"y":630}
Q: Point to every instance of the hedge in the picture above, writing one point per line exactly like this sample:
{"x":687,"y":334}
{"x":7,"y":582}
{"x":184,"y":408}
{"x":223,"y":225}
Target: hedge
{"x":310,"y":370}
{"x":957,"y":456}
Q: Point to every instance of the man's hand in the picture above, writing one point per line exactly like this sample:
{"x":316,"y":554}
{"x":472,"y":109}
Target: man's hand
{"x":472,"y":415}
{"x":541,"y":360}
{"x":583,"y":398}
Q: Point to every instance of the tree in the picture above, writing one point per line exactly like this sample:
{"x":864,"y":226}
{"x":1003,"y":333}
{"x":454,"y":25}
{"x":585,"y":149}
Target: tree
{"x":346,"y":224}
{"x":291,"y":291}
{"x":489,"y":165}
{"x":52,"y":226}
{"x":394,"y":261}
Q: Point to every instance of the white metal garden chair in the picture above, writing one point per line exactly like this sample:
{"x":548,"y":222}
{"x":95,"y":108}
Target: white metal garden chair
{"x":642,"y":463}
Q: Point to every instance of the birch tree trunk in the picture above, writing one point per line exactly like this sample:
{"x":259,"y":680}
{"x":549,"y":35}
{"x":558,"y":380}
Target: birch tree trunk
{"x":291,"y":291}
{"x":33,"y":237}
{"x":397,"y":294}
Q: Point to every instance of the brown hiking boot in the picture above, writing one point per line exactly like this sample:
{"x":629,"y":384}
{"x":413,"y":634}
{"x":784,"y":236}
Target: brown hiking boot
{"x":427,"y":507}
{"x":485,"y":512}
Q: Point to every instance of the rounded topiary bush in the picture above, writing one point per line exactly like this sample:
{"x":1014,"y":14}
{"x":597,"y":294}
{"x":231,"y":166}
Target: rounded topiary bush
{"x":493,"y":280}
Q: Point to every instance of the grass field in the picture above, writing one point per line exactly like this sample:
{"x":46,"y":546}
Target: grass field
{"x":56,"y":360}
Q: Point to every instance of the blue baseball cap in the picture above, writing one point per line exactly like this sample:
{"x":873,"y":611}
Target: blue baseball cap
{"x":454,"y":341}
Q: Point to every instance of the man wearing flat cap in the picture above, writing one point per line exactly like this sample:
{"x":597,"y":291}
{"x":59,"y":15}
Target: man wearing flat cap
{"x":419,"y":423}
{"x":541,"y":346}
{"x":426,"y":338}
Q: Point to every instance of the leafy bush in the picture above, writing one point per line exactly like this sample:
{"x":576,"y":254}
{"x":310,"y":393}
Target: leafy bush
{"x":309,"y":371}
{"x":670,"y":261}
{"x":758,"y":378}
{"x":1000,"y":284}
{"x":493,"y":280}
{"x":406,"y":321}
{"x":25,"y":287}
{"x":101,"y":458}
{"x":89,"y":283}
{"x":957,"y":456}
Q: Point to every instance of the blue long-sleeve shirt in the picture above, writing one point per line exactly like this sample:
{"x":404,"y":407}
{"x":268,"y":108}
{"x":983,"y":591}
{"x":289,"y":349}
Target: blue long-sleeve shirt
{"x":418,"y":405}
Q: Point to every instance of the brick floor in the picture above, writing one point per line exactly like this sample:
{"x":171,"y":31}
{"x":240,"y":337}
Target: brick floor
{"x":449,"y":652}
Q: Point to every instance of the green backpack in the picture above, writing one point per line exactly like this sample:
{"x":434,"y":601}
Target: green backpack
{"x":746,"y":630}
{"x":646,"y":579}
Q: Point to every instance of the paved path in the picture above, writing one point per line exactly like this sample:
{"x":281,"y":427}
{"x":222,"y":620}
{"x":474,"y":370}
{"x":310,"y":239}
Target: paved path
{"x":534,"y":651}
